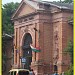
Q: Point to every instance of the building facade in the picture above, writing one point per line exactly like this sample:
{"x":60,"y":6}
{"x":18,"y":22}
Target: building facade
{"x":44,"y":25}
{"x":7,"y":53}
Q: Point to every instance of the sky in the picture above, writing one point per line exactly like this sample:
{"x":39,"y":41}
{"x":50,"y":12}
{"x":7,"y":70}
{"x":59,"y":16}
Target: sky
{"x":8,"y":1}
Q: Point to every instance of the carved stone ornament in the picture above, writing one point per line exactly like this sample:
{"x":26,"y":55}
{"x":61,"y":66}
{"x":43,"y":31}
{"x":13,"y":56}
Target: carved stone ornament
{"x":26,"y":29}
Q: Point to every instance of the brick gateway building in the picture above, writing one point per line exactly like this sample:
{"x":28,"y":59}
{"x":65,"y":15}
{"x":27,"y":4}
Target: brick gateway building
{"x":44,"y":25}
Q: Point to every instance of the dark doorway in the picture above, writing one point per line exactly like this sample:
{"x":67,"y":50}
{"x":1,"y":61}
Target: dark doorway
{"x":55,"y":68}
{"x":27,"y":52}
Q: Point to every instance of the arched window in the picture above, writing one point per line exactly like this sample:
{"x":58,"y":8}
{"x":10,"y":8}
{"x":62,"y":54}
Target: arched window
{"x":27,"y":52}
{"x":27,"y":41}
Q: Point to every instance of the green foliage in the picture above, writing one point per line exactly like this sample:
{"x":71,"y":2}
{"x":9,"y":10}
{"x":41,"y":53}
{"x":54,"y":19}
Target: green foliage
{"x":70,"y":18}
{"x":64,"y":1}
{"x":7,"y":11}
{"x":70,"y":71}
{"x":7,"y":26}
{"x":69,"y":49}
{"x":68,"y":1}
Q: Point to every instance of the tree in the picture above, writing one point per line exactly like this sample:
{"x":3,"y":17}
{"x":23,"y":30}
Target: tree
{"x":68,"y":1}
{"x":69,"y":49}
{"x":7,"y":11}
{"x":70,"y":71}
{"x":7,"y":27}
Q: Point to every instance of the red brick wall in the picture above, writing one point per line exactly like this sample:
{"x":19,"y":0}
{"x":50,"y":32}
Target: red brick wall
{"x":47,"y":23}
{"x":67,"y":34}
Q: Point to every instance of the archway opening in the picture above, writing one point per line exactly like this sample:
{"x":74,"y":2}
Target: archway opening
{"x":55,"y":68}
{"x":27,"y":52}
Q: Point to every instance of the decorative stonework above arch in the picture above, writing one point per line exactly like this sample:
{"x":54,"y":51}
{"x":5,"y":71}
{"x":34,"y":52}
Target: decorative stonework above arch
{"x":21,"y":42}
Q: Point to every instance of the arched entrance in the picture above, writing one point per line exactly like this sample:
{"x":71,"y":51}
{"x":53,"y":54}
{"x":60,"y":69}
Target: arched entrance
{"x":27,"y":52}
{"x":55,"y":68}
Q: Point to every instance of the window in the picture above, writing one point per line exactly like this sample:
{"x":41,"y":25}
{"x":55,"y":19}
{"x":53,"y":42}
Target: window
{"x":11,"y":73}
{"x":23,"y":73}
{"x":12,"y":62}
{"x":14,"y":72}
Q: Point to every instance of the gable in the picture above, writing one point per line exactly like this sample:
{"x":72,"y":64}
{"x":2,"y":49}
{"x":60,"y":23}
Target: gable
{"x":25,"y":9}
